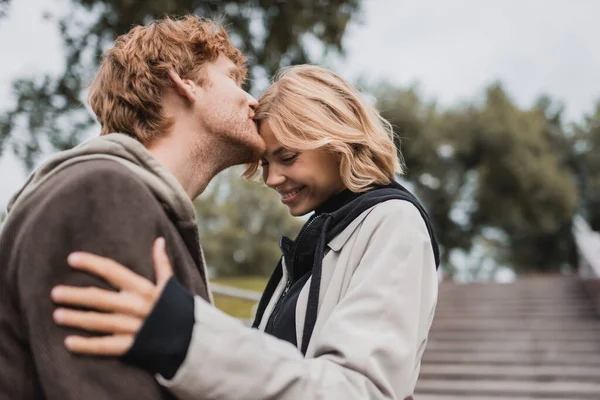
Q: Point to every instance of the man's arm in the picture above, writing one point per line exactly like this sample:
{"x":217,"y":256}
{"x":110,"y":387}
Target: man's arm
{"x":100,"y":208}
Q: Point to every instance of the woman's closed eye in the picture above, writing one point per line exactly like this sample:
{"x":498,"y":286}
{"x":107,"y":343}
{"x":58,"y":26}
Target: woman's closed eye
{"x":285,"y":159}
{"x":289,"y":159}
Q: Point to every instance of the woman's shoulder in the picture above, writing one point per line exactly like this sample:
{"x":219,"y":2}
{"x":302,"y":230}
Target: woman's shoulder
{"x":384,"y":220}
{"x":394,"y":213}
{"x":394,"y":219}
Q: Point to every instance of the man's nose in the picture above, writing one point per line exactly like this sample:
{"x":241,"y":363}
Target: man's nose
{"x":252,"y":102}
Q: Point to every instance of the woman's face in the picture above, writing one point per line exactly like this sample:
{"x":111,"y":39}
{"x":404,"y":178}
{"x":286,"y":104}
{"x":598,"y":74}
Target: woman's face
{"x":303,"y":180}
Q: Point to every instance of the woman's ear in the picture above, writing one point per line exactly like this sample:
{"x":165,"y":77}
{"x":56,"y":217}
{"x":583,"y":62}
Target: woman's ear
{"x":185,"y":87}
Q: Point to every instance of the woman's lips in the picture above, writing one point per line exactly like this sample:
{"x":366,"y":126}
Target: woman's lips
{"x":290,"y":197}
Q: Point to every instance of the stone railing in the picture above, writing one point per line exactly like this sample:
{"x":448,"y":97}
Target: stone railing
{"x":588,"y":248}
{"x":243,"y":294}
{"x":249,"y":295}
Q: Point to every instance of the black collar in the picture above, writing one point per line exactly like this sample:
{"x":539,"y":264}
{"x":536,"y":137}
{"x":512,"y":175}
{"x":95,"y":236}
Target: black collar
{"x":337,"y":201}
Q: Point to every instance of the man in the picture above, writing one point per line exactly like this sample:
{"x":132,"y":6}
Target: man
{"x":172,"y":91}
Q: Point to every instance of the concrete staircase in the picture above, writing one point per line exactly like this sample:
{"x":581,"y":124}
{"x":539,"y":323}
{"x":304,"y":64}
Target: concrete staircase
{"x":538,"y":338}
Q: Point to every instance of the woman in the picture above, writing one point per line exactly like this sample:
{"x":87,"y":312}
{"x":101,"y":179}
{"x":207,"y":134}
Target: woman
{"x":348,"y":309}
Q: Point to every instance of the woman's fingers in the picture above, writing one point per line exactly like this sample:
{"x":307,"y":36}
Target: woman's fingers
{"x":101,"y":300}
{"x":97,"y":322}
{"x":114,"y":273}
{"x":162,"y":265}
{"x":125,"y":310}
{"x":115,"y":345}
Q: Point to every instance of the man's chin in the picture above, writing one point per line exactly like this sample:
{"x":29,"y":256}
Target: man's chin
{"x":259,"y":151}
{"x":249,"y":153}
{"x":255,"y":150}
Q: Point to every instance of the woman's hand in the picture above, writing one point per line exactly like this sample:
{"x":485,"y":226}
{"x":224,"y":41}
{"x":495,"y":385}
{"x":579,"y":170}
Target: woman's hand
{"x":121,"y":313}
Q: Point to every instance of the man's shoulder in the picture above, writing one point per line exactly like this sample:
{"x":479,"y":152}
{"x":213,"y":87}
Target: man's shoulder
{"x":95,"y":174}
{"x":94,"y":171}
{"x":87,"y":182}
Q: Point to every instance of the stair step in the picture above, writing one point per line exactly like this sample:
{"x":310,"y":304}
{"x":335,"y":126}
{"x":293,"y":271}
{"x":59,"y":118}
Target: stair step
{"x":514,"y":358}
{"x":537,"y":338}
{"x":505,"y":291}
{"x":517,"y":325}
{"x":512,"y":346}
{"x":580,"y":390}
{"x":484,"y":307}
{"x":516,"y":372}
{"x":420,"y":396}
{"x":532,"y":318}
{"x":523,"y":282}
{"x":506,"y":294}
{"x":522,"y":304}
{"x":589,"y":313}
{"x":480,"y":335}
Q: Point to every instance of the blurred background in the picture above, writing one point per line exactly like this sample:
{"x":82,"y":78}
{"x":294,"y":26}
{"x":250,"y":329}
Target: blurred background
{"x":496,"y":106}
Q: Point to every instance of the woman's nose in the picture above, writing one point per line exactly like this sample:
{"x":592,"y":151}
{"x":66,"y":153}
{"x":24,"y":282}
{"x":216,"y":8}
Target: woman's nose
{"x":274,"y":178}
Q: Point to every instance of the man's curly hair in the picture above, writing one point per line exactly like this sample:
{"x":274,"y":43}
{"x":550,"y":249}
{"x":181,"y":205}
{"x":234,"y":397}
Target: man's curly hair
{"x":126,"y":93}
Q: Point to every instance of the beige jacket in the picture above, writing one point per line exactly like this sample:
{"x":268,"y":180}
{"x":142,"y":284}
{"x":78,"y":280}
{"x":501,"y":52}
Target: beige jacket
{"x":376,"y":305}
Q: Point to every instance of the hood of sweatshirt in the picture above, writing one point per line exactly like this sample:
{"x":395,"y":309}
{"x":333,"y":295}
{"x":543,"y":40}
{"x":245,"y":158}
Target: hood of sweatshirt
{"x":129,"y":153}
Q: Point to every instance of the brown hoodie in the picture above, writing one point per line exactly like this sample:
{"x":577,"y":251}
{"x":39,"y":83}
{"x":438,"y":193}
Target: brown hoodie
{"x":108,"y":196}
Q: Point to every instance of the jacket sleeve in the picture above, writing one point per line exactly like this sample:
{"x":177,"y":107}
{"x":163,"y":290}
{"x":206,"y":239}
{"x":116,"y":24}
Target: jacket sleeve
{"x":104,"y":210}
{"x":369,"y":347}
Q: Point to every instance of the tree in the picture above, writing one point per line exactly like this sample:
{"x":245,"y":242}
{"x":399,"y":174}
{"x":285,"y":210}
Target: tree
{"x":241,"y":223}
{"x":4,"y":7}
{"x":524,"y":189}
{"x":488,"y":171}
{"x":48,"y":111}
{"x":434,"y":164}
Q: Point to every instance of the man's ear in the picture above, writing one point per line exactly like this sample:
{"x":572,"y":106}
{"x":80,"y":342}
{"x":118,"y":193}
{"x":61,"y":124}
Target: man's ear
{"x":185,"y":87}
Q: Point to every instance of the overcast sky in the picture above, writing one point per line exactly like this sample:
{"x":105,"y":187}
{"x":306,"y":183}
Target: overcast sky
{"x":452,"y":49}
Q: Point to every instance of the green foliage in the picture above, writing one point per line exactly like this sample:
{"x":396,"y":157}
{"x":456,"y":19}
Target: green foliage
{"x":272,"y":33}
{"x":491,"y":171}
{"x":240,"y":225}
{"x":492,"y":175}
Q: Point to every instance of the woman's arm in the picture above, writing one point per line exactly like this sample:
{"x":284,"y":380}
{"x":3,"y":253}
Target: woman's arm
{"x":369,"y":347}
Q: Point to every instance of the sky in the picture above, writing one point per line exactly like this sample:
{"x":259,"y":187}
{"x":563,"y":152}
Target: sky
{"x":450,"y":49}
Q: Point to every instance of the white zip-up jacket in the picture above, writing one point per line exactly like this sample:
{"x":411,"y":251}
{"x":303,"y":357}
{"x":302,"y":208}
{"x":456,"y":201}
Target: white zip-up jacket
{"x":377,"y":299}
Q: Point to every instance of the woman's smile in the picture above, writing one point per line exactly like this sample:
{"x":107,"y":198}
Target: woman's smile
{"x":290,"y":196}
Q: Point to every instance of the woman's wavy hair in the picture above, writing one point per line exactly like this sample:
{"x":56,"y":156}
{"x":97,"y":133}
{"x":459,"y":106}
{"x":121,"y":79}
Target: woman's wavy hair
{"x":310,"y":107}
{"x":126,"y":93}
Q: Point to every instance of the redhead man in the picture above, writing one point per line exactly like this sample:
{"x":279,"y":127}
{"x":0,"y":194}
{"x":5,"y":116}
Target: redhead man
{"x":173,"y":115}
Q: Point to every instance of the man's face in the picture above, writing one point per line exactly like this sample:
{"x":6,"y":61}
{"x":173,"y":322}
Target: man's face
{"x":227,"y":111}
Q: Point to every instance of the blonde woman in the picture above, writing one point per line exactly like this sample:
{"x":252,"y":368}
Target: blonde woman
{"x":348,"y":308}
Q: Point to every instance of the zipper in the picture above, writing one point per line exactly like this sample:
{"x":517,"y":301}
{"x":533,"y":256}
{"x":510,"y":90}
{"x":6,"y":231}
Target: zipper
{"x":279,"y":305}
{"x":299,"y":238}
{"x":277,"y":308}
{"x":288,"y":285}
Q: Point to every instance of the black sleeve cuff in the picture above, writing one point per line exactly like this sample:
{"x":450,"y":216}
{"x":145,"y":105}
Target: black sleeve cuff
{"x":162,"y":343}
